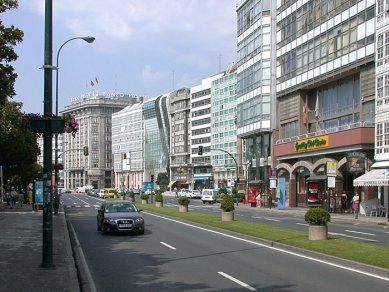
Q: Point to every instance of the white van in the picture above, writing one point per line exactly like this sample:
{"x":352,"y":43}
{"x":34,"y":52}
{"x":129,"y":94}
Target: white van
{"x":209,"y":195}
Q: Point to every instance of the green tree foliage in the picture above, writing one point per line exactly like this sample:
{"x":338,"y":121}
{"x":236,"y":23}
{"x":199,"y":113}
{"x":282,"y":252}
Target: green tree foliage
{"x":18,"y":145}
{"x":9,"y":37}
{"x":162,"y":179}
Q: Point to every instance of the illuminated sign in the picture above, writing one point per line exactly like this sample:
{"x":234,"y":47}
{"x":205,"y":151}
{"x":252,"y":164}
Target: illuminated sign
{"x":312,"y":144}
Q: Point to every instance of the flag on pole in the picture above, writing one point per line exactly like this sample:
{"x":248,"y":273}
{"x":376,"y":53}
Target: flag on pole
{"x":306,"y":112}
{"x":97,"y":81}
{"x":317,"y":112}
{"x":91,"y":83}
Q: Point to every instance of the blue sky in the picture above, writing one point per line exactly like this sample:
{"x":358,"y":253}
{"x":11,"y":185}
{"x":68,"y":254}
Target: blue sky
{"x":143,"y":47}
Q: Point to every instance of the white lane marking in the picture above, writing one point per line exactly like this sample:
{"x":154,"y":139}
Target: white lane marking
{"x":349,"y":236}
{"x":359,"y":232}
{"x":241,"y":215}
{"x":237,"y":281}
{"x":96,"y":206}
{"x":87,"y":206}
{"x":257,"y":217}
{"x":272,"y":248}
{"x":77,"y":206}
{"x":302,"y":224}
{"x":275,"y":220}
{"x":167,"y":245}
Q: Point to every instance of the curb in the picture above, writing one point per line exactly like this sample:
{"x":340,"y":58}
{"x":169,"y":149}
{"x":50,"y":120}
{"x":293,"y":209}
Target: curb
{"x":86,"y":283}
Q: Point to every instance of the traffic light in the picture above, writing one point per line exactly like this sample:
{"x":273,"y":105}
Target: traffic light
{"x":86,"y":151}
{"x":152,"y":178}
{"x":200,"y":150}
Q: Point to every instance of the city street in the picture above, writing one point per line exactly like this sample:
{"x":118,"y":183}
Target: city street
{"x":177,"y":256}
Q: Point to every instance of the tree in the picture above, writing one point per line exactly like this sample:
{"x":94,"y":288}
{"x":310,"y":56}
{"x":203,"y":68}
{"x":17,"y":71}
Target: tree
{"x":162,"y":179}
{"x":18,"y":146}
{"x":10,"y":37}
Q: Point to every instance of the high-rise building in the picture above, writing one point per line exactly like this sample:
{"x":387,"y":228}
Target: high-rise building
{"x":223,"y":129}
{"x":93,"y":111}
{"x":127,"y":147}
{"x":200,"y":128}
{"x":180,"y":137}
{"x":156,"y":137}
{"x":256,"y":91}
{"x":325,"y":99}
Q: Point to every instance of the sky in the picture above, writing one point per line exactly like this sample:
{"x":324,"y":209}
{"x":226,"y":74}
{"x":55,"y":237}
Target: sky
{"x":142,"y":47}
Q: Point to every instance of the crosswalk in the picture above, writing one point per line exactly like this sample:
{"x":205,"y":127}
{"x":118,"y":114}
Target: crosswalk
{"x":77,"y":205}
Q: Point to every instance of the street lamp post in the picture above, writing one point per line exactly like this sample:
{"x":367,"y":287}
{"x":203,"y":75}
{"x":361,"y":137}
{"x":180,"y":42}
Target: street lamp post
{"x":88,"y":39}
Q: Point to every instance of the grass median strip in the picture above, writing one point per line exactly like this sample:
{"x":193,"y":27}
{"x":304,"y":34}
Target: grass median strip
{"x":352,"y":250}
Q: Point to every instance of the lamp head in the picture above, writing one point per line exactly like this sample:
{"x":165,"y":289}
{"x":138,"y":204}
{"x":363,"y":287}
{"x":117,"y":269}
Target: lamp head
{"x":89,"y":39}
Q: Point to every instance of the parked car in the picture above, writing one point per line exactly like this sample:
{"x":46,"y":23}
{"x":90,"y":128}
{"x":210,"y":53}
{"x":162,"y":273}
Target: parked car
{"x":183,"y":193}
{"x":109,"y":193}
{"x":100,"y":193}
{"x":93,"y":192}
{"x":195,"y":194}
{"x":120,"y":216}
{"x":209,"y":195}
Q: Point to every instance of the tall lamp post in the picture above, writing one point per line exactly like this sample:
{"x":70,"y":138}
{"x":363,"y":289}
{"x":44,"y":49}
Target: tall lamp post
{"x":88,"y":39}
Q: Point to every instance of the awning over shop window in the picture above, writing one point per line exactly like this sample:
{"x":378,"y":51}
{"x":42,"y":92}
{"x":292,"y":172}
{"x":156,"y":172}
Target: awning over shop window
{"x":201,"y":178}
{"x":373,"y":178}
{"x":315,"y":177}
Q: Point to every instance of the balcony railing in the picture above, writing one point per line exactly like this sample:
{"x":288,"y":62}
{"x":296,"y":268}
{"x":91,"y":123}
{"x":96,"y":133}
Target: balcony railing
{"x":367,"y":124}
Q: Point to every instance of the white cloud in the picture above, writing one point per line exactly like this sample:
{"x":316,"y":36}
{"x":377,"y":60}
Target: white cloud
{"x":149,"y":75}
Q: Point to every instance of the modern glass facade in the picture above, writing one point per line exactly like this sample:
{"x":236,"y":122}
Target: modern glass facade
{"x":256,"y":91}
{"x":156,"y":136}
{"x":223,"y":128}
{"x":325,"y":92}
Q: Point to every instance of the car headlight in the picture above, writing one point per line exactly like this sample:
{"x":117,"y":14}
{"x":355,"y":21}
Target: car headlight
{"x":139,"y":220}
{"x":109,"y":220}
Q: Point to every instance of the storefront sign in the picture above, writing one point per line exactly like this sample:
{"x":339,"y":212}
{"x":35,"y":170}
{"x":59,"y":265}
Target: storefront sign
{"x":356,"y":161}
{"x":312,"y":144}
{"x":331,"y":168}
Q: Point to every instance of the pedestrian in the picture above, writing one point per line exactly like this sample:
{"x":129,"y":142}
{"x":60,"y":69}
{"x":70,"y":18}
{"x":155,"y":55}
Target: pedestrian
{"x":355,"y":201}
{"x":259,"y":200}
{"x":270,"y":200}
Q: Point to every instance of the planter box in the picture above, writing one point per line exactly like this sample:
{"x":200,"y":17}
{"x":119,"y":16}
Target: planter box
{"x":183,"y":208}
{"x":159,"y":204}
{"x":228,"y":216}
{"x":317,"y":232}
{"x":144,"y":201}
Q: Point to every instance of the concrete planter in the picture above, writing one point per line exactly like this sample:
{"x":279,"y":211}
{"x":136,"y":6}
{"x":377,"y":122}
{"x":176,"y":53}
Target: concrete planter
{"x":317,"y":232}
{"x":159,"y":204}
{"x":228,"y":216}
{"x":131,"y":199}
{"x":183,"y":208}
{"x":145,"y":201}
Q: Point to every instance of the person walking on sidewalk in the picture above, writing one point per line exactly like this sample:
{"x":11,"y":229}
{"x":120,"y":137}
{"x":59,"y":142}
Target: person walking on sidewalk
{"x":355,"y":201}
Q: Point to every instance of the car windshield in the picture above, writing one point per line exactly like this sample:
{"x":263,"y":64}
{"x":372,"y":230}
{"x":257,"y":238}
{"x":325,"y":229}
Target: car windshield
{"x":119,"y":207}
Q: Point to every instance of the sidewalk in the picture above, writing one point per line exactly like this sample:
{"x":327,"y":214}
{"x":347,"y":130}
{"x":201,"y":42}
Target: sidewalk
{"x":21,"y":252}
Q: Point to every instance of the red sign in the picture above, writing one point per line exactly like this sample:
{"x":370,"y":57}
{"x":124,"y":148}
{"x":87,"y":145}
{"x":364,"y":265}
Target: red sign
{"x":253,"y":192}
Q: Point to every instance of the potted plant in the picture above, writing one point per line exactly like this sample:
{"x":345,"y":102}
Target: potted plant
{"x":158,"y":199}
{"x":145,"y":198}
{"x":228,"y":207}
{"x":317,"y":219}
{"x":184,"y":202}
{"x":131,"y":195}
{"x":122,"y":195}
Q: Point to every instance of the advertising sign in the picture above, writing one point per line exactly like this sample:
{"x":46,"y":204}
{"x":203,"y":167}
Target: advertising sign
{"x":253,"y":192}
{"x":39,"y":192}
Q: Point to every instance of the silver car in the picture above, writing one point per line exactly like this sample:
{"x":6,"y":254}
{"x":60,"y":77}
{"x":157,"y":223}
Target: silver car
{"x":120,"y":216}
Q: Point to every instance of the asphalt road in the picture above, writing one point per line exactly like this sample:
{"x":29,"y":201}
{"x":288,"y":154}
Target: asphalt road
{"x":177,"y":256}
